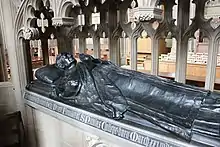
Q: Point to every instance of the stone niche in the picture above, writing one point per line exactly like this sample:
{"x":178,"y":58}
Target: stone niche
{"x":58,"y":125}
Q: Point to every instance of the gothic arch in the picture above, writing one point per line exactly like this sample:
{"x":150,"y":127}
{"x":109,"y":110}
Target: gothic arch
{"x":99,"y":144}
{"x":218,"y":34}
{"x":155,"y":3}
{"x":38,"y":4}
{"x":23,"y":29}
{"x":30,"y":10}
{"x":148,"y":3}
{"x":137,"y":31}
{"x":65,"y":6}
{"x":117,"y":32}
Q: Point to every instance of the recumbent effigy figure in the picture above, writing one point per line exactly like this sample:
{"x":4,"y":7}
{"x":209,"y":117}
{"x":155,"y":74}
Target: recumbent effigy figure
{"x":114,"y":92}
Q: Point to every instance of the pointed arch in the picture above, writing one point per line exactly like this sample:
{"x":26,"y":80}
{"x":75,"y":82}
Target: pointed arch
{"x":65,"y":7}
{"x":117,"y":32}
{"x":137,"y":31}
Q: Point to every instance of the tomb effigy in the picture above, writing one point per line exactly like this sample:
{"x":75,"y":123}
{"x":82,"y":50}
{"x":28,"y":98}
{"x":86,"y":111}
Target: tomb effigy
{"x":183,"y":115}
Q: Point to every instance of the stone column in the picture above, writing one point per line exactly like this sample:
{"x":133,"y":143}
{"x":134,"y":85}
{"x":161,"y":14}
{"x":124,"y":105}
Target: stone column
{"x":191,"y":45}
{"x":174,"y":43}
{"x":133,"y":60}
{"x":128,"y":46}
{"x":3,"y":68}
{"x":114,"y":51}
{"x":113,"y":42}
{"x":82,"y":44}
{"x":182,"y":42}
{"x":65,"y":44}
{"x":75,"y":45}
{"x":96,"y":47}
{"x":123,"y":51}
{"x":211,"y":65}
{"x":181,"y":61}
{"x":26,"y":46}
{"x":118,"y":52}
{"x":192,"y":41}
{"x":155,"y":56}
{"x":44,"y":47}
{"x":40,"y":52}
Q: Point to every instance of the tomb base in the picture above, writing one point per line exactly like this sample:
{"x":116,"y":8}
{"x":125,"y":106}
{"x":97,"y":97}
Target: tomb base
{"x":61,"y":125}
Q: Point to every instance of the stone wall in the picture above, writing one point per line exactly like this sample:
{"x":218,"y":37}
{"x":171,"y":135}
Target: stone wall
{"x":7,"y":98}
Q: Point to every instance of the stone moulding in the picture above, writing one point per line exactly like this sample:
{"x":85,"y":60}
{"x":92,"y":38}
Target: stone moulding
{"x":60,"y":21}
{"x":146,"y":14}
{"x":111,"y":127}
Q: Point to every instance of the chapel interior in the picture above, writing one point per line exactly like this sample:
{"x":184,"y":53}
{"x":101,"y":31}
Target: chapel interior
{"x":173,"y":39}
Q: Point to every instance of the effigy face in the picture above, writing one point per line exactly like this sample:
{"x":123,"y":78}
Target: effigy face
{"x":117,"y":93}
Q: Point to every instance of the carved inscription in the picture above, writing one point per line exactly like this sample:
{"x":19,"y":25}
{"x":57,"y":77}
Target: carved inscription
{"x":99,"y":124}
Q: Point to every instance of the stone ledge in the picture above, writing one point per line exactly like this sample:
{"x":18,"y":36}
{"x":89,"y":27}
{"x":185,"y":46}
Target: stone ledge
{"x":102,"y":125}
{"x":6,"y":84}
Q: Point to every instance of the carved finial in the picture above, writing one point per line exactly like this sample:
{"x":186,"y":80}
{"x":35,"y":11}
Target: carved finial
{"x":75,"y":36}
{"x":123,"y":34}
{"x":103,"y":1}
{"x":133,"y":4}
{"x":103,"y":34}
{"x":86,"y":2}
{"x":155,"y":25}
{"x":133,"y":25}
{"x":52,"y":36}
{"x":95,"y":9}
{"x":43,"y":23}
{"x":76,"y":3}
{"x":80,"y":11}
{"x":144,"y":34}
{"x":47,"y":4}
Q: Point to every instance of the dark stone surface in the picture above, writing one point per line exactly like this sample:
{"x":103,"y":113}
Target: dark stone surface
{"x":103,"y":88}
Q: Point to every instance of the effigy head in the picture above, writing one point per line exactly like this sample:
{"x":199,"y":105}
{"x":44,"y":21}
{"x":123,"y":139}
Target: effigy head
{"x":65,"y":61}
{"x":86,"y":57}
{"x":89,"y":59}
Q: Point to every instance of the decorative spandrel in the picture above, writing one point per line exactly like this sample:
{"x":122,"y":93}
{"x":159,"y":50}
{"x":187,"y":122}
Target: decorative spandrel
{"x":105,"y":89}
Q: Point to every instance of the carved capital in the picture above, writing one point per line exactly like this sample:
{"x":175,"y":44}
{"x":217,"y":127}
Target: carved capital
{"x":211,"y":11}
{"x":62,"y":21}
{"x":147,"y":13}
{"x":215,"y":23}
{"x":30,"y":33}
{"x":213,"y":3}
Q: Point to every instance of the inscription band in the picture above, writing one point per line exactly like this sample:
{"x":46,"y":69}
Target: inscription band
{"x":122,"y":132}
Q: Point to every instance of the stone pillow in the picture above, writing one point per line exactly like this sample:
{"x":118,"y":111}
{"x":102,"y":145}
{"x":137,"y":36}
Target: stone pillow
{"x":49,"y":74}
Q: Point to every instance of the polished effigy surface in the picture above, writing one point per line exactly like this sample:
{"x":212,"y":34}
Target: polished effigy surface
{"x":136,"y":98}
